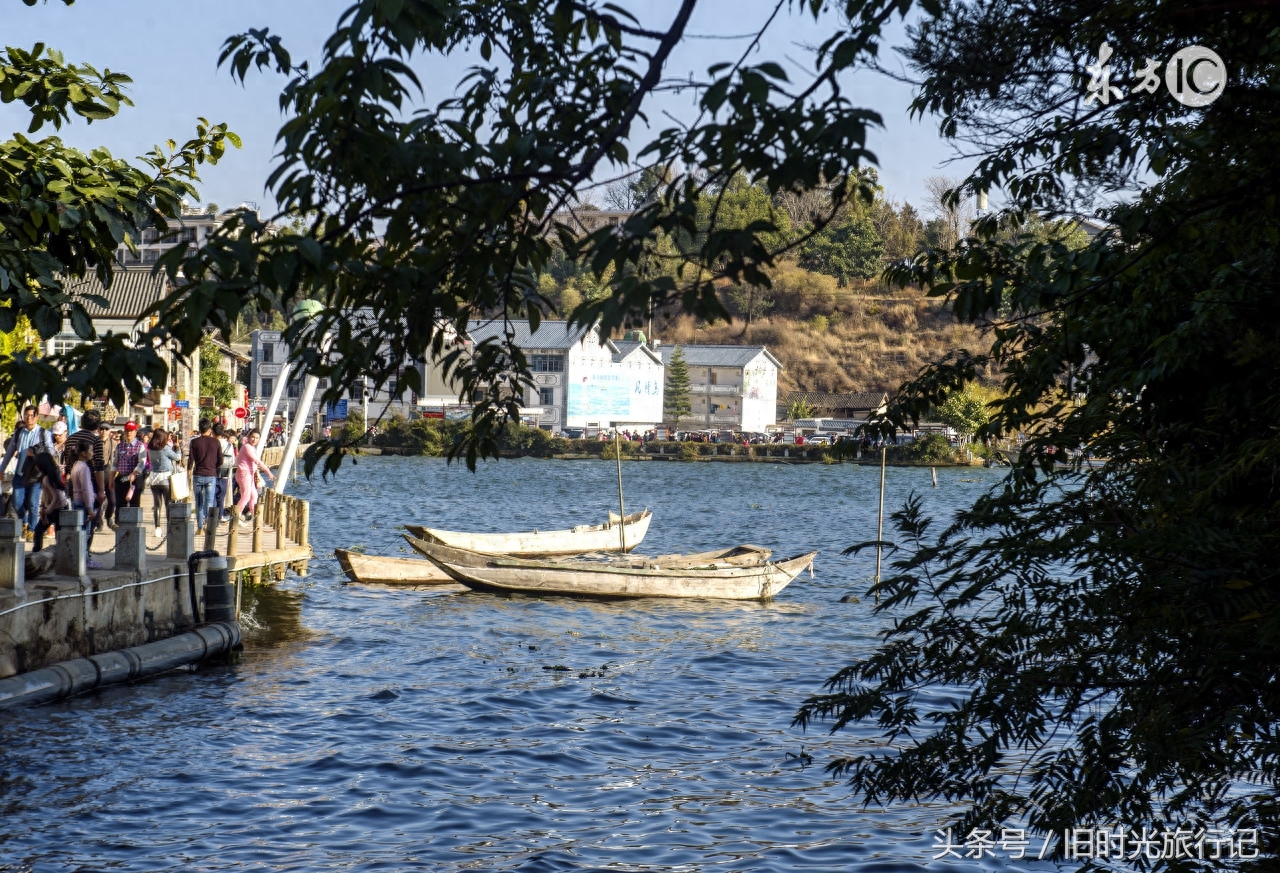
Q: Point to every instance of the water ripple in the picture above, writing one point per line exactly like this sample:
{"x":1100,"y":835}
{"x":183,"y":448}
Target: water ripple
{"x":377,"y":730}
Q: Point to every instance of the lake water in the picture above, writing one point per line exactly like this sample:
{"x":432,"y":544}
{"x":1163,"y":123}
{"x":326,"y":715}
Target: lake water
{"x":371,"y":729}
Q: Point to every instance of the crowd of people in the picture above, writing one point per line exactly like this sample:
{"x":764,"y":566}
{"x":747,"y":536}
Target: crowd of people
{"x":99,"y":468}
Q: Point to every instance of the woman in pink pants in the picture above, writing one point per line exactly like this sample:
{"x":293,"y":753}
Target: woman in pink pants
{"x":247,"y":464}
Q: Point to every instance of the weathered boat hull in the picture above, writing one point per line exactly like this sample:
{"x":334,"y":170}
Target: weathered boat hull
{"x":740,"y":556}
{"x":512,"y":575}
{"x":378,"y":570}
{"x":546,"y":543}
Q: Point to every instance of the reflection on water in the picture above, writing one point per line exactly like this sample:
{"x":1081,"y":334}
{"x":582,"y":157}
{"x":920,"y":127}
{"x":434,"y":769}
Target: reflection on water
{"x":271,"y":616}
{"x":379,"y":729}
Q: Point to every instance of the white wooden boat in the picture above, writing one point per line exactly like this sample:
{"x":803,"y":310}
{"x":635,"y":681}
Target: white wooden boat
{"x":739,"y":556}
{"x":379,"y":570}
{"x":680,"y":577}
{"x":544,"y":543}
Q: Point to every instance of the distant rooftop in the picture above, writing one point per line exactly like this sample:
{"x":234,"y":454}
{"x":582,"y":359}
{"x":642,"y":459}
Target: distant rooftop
{"x":626,"y":348}
{"x":132,"y":292}
{"x":549,"y":335}
{"x":718,"y":356}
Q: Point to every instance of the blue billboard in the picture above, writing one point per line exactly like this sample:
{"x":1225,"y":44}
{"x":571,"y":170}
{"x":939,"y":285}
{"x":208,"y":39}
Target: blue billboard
{"x":617,"y":395}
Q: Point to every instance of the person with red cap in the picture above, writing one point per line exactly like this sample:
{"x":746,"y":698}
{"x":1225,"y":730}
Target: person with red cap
{"x":131,"y":467}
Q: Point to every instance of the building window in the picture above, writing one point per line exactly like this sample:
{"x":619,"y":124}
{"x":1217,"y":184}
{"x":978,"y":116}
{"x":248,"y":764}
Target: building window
{"x":62,"y":345}
{"x":546,"y":363}
{"x":150,"y":256}
{"x":268,"y":353}
{"x":187,"y":235}
{"x":267,"y":385}
{"x":546,"y":397}
{"x":713,"y":376}
{"x":294,"y":389}
{"x":393,"y":386}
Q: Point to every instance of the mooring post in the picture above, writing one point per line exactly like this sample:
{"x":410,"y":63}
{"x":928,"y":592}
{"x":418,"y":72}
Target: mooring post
{"x":131,"y":539}
{"x":233,"y":536}
{"x":13,"y":555}
{"x":211,"y":529}
{"x":282,"y":519}
{"x":304,"y":526}
{"x":69,"y":557}
{"x":257,"y":529}
{"x":181,"y":541}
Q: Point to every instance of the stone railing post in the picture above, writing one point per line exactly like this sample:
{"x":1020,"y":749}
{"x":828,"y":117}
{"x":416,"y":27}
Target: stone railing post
{"x":13,"y":555}
{"x":69,"y":557}
{"x":131,"y":540}
{"x":182,"y":532}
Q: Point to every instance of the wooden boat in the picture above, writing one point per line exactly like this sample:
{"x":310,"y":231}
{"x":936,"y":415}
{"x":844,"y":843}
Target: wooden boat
{"x":544,"y":543}
{"x":680,"y":577}
{"x":375,"y":569}
{"x":739,"y":556}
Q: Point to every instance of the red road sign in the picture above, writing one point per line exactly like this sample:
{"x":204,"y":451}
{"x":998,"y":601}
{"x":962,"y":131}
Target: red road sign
{"x":241,"y":412}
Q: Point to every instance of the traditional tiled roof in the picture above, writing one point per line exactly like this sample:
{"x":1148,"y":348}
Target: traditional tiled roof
{"x":131,"y":293}
{"x":549,"y":335}
{"x":625,"y":349}
{"x":718,"y":356}
{"x":827,"y":400}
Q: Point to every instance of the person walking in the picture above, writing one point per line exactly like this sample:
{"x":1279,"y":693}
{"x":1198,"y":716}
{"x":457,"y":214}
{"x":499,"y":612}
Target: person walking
{"x":163,"y":460}
{"x":247,"y":464}
{"x":109,"y":446}
{"x":131,"y":467}
{"x":227,"y":463}
{"x":59,"y":431}
{"x":206,"y":457}
{"x":87,"y":435}
{"x":53,"y":493}
{"x":26,"y":478}
{"x":83,"y":495}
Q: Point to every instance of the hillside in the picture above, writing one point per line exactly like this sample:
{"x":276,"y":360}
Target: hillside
{"x":868,"y":341}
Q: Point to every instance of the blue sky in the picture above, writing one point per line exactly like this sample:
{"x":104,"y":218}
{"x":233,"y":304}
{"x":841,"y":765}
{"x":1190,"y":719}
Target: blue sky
{"x":171,"y":50}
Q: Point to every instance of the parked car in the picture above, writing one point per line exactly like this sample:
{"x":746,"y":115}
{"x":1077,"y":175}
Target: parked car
{"x":572,"y":433}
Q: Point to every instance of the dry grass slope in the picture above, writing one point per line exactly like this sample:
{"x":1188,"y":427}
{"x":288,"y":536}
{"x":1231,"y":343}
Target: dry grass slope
{"x":867,"y":342}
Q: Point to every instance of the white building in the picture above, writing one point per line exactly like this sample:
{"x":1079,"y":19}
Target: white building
{"x":730,"y":387}
{"x":269,"y":354}
{"x":578,"y":382}
{"x":190,"y":229}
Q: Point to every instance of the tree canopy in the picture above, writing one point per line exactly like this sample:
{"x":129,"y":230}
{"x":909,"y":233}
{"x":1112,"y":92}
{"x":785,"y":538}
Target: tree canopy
{"x":1112,"y":633}
{"x":214,"y":381}
{"x":64,"y":214}
{"x":963,"y":411}
{"x":675,"y":397}
{"x":429,"y":214}
{"x":849,"y":249}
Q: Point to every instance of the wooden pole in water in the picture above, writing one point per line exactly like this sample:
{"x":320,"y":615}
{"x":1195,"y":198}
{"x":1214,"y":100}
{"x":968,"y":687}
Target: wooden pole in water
{"x":622,"y":507}
{"x":880,"y":526}
{"x":934,"y":470}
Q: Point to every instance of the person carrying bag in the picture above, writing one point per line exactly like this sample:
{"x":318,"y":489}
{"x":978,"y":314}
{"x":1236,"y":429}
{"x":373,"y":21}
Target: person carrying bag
{"x":162,"y":458}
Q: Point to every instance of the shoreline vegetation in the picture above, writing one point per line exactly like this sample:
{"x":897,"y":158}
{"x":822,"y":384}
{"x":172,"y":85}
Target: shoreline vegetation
{"x":432,"y":438}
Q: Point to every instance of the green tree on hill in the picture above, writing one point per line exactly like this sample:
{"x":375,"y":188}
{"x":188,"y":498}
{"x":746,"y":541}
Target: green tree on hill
{"x":850,"y":249}
{"x":675,"y":396}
